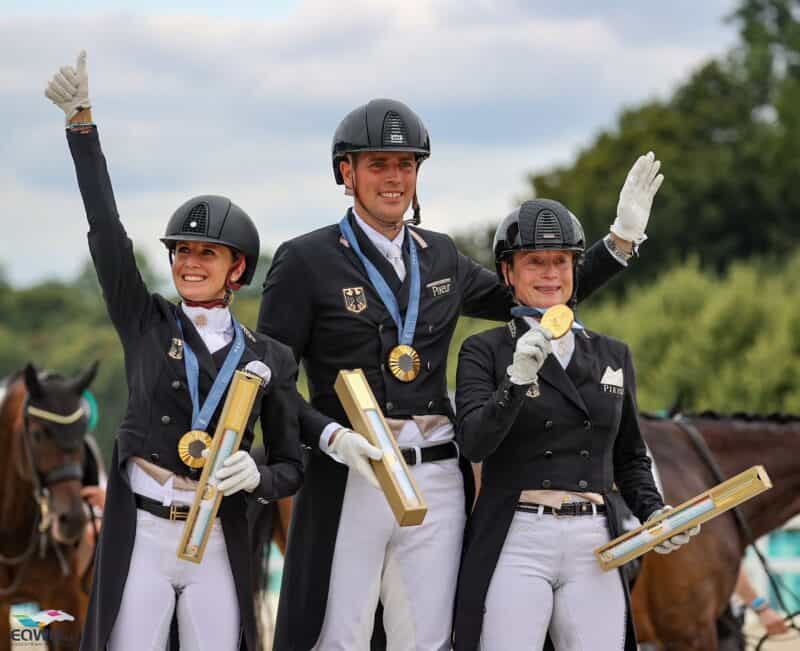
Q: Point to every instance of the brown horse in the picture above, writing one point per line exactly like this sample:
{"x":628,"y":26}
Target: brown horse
{"x":678,"y":597}
{"x":42,"y":515}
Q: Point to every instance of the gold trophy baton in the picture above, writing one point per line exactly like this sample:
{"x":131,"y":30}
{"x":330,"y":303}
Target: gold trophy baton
{"x":397,"y":482}
{"x":242,"y":393}
{"x":705,"y":506}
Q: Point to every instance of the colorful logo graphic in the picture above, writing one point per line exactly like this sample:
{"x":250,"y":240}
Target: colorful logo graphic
{"x":44,"y":618}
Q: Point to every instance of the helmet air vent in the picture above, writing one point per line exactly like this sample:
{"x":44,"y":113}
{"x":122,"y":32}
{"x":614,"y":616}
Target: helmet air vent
{"x":548,"y":230}
{"x":394,"y":130}
{"x":197,"y":220}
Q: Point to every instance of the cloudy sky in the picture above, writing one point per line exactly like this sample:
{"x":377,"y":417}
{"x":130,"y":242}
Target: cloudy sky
{"x":192,"y":98}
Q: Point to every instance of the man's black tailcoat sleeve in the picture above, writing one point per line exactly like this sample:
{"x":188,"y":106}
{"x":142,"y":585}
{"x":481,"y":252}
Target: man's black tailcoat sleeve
{"x":287,"y":314}
{"x":486,"y":298}
{"x":283,"y":474}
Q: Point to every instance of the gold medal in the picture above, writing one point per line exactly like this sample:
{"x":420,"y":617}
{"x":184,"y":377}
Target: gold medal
{"x":191,"y":446}
{"x":558,"y":320}
{"x":404,"y":363}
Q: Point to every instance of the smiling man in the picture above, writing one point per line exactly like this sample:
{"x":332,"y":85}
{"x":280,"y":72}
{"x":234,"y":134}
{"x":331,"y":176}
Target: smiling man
{"x":374,"y":293}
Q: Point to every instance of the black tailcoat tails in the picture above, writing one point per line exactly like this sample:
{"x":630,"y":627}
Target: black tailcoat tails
{"x":318,"y":300}
{"x":159,"y":408}
{"x":579,"y":433}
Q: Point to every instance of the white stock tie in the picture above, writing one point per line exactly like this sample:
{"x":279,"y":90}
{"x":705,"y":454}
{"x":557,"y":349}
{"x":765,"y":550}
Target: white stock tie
{"x":395,"y":257}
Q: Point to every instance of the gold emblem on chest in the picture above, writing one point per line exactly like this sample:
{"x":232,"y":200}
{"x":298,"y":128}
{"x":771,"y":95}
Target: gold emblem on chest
{"x":354,"y":299}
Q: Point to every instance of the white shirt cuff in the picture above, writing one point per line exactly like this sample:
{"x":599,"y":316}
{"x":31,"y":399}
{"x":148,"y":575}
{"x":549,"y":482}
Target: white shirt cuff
{"x":619,"y":256}
{"x":325,"y":437}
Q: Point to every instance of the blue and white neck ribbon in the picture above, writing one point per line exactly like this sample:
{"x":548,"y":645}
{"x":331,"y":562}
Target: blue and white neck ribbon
{"x":405,"y":329}
{"x":537,"y":313}
{"x":201,"y":416}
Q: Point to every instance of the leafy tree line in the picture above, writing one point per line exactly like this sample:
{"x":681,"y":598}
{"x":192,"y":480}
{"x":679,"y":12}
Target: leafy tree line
{"x":729,"y":141}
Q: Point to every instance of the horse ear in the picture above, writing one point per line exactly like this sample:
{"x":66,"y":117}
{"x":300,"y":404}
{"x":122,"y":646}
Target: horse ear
{"x":80,"y":383}
{"x":32,"y":381}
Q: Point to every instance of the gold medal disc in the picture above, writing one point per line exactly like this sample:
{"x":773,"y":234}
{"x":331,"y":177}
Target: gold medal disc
{"x":191,"y":446}
{"x":558,"y":320}
{"x":404,"y":363}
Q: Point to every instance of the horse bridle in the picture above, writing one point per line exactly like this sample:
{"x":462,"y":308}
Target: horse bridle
{"x":41,"y":493}
{"x":707,"y":456}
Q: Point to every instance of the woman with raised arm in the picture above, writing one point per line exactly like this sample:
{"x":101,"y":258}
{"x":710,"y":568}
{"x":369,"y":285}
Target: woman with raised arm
{"x":555,"y":426}
{"x":179,"y":361}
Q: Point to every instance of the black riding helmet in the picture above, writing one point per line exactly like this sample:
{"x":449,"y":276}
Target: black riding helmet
{"x":380,"y":125}
{"x":537,"y":225}
{"x":212,"y":218}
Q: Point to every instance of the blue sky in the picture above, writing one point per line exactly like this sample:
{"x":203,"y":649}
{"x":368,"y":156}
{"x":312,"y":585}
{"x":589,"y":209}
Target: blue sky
{"x":243,"y":100}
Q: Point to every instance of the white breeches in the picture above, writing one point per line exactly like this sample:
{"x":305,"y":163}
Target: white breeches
{"x":548,"y":577}
{"x":202,"y":595}
{"x":412,"y":570}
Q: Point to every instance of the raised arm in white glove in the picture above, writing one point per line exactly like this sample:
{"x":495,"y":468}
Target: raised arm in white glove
{"x":239,"y":472}
{"x":532,"y":349}
{"x":355,"y":451}
{"x":636,"y":199}
{"x":673,"y":542}
{"x":69,"y":88}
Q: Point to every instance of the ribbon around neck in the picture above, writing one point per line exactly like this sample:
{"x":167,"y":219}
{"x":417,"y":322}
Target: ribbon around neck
{"x":537,"y":313}
{"x":201,"y":416}
{"x":405,"y":329}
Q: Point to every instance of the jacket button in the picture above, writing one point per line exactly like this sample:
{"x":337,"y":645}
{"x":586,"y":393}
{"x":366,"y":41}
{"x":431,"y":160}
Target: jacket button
{"x":389,"y":406}
{"x":548,"y":454}
{"x":582,"y":484}
{"x":548,"y":424}
{"x":546,"y":483}
{"x":176,"y":384}
{"x":380,"y":328}
{"x":587,"y":424}
{"x":166,"y":420}
{"x":430,"y":405}
{"x":154,"y":457}
{"x":585,"y":454}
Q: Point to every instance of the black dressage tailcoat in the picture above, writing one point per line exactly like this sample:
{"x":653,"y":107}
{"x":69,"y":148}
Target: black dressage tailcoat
{"x":159,"y":408}
{"x":318,"y":300}
{"x":579,"y":432}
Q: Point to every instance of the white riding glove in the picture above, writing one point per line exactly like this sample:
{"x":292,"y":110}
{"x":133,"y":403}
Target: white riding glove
{"x":532,"y":349}
{"x":636,"y":199}
{"x":69,"y":88}
{"x":355,"y":452}
{"x":238,"y":472}
{"x":673,"y":542}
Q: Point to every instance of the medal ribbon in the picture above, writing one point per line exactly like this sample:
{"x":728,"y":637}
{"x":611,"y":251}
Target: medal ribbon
{"x":537,"y":313}
{"x":405,"y":331}
{"x":202,"y":416}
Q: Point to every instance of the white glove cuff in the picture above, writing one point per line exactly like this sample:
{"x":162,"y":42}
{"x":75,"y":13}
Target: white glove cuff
{"x":637,"y":236}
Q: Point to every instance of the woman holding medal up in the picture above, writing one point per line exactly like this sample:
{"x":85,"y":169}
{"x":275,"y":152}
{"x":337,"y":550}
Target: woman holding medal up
{"x":179,"y":361}
{"x":555,"y":425}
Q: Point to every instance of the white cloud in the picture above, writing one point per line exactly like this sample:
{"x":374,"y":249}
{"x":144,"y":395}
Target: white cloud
{"x":246,"y":106}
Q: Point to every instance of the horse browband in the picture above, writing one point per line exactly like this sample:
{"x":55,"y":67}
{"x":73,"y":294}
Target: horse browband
{"x":56,"y":418}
